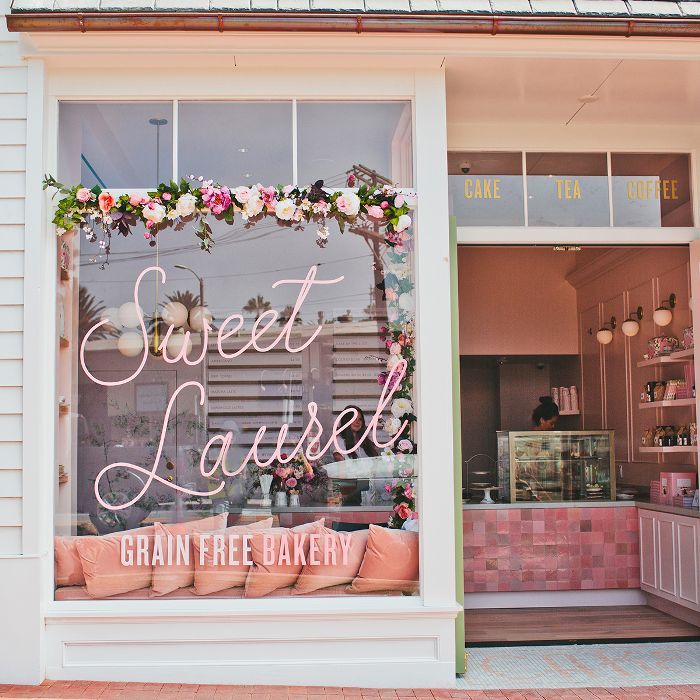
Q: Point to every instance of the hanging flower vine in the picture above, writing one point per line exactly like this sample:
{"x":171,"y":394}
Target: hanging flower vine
{"x":99,"y":215}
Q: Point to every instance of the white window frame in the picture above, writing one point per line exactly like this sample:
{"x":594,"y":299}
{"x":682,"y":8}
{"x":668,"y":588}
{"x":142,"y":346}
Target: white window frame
{"x":433,"y":381}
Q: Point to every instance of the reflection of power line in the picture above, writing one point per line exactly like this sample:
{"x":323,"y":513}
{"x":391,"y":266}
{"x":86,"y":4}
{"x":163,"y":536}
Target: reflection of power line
{"x":233,"y":275}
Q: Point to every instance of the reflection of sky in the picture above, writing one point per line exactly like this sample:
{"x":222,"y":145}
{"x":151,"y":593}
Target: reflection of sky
{"x":507,"y":210}
{"x":244,"y":263}
{"x":634,"y":212}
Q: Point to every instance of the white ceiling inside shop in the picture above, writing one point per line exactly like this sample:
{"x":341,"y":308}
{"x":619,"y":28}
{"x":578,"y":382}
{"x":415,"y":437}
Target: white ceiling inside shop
{"x":483,"y":90}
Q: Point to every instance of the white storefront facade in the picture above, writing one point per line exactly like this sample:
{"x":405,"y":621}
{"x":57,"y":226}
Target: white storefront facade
{"x":343,"y":640}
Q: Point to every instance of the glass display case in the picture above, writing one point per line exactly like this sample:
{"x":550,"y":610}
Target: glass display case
{"x":577,"y":465}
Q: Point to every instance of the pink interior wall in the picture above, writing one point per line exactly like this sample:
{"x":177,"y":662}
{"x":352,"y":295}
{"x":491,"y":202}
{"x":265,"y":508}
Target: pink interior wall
{"x":516,"y":301}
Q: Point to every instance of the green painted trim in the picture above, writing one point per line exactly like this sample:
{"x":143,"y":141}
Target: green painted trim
{"x":457,"y":449}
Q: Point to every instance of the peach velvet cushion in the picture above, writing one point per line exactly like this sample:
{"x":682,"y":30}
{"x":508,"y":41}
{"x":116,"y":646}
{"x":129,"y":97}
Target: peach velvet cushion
{"x":210,"y":577}
{"x":170,"y":577}
{"x":390,"y":563}
{"x":326,"y":573}
{"x":104,"y":573}
{"x":68,"y":569}
{"x":263,"y":577}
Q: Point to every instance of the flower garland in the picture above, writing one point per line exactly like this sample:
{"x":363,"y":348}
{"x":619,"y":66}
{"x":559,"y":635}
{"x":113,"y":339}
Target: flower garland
{"x":404,"y":498}
{"x":99,"y":214}
{"x":194,"y":200}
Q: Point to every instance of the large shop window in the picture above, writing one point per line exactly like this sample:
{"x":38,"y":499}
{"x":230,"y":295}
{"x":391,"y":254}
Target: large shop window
{"x":341,"y":524}
{"x":570,"y":189}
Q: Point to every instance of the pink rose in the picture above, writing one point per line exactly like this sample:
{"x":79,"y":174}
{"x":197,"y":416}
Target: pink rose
{"x":106,"y":202}
{"x":291,"y":482}
{"x":384,"y":204}
{"x":135,"y":199}
{"x":399,"y":200}
{"x":403,"y":511}
{"x":243,"y":194}
{"x":83,"y":195}
{"x":351,"y":180}
{"x":166,"y":196}
{"x":408,"y":491}
{"x":375,"y":212}
{"x":218,"y":199}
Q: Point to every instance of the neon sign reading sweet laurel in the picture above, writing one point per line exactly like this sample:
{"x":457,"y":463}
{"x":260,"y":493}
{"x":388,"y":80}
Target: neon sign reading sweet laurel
{"x":230,"y":326}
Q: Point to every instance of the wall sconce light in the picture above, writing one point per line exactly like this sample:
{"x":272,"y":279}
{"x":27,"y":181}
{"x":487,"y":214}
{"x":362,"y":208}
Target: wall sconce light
{"x":605,"y":335}
{"x":662,"y":315}
{"x":630,"y":326}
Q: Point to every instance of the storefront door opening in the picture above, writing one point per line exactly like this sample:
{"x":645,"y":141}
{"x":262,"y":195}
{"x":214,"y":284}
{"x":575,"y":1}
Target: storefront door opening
{"x":578,"y":406}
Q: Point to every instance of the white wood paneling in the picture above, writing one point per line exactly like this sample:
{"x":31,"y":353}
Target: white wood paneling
{"x":11,"y":264}
{"x":11,"y":482}
{"x":10,"y":455}
{"x":13,"y":105}
{"x":12,"y":157}
{"x":11,"y":290}
{"x":10,"y":397}
{"x":10,"y":540}
{"x":11,"y":210}
{"x":11,"y":181}
{"x":13,"y":132}
{"x":10,"y":427}
{"x":14,"y":80}
{"x":10,"y":512}
{"x":11,"y":317}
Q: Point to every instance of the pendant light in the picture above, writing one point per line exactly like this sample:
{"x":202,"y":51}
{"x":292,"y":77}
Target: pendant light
{"x":605,"y":335}
{"x":630,"y":326}
{"x":662,"y":315}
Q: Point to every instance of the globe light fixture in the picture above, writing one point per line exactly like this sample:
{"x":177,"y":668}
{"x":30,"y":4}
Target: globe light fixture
{"x":197,"y":316}
{"x":605,"y":334}
{"x":175,"y":314}
{"x":630,"y":326}
{"x":130,"y":344}
{"x":129,"y":315}
{"x":662,"y":315}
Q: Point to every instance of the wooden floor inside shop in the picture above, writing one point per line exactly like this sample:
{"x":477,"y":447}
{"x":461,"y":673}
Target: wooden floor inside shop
{"x":633,"y":622}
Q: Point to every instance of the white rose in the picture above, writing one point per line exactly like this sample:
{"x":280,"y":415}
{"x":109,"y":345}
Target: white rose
{"x":392,"y":362}
{"x":285,"y":209}
{"x":404,"y":223}
{"x":186,"y":205}
{"x":154,"y":212}
{"x":401,"y":407}
{"x":392,"y":426}
{"x":407,"y":302}
{"x":242,"y":194}
{"x":349,"y":204}
{"x":253,"y":207}
{"x":395,"y":349}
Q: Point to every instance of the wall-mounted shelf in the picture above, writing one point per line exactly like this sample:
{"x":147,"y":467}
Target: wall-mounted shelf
{"x":667,"y":404}
{"x":677,"y":448}
{"x":671,"y":359}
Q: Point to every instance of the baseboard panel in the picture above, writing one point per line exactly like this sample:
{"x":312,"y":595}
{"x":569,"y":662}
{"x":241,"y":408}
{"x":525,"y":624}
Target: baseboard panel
{"x":554,"y":599}
{"x":673,"y":609}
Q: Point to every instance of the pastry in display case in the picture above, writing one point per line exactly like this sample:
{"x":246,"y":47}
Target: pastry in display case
{"x":577,"y":465}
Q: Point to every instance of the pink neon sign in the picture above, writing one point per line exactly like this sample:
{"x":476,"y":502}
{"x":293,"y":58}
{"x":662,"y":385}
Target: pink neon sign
{"x":262,"y":324}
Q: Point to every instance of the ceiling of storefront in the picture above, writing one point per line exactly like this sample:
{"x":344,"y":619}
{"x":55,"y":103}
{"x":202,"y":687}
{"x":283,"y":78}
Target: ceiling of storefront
{"x":483,"y":90}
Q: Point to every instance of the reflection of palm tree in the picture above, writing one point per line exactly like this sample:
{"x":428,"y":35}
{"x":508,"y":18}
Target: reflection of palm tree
{"x":257,"y":305}
{"x":187,"y":299}
{"x":89,"y":313}
{"x":286,"y":314}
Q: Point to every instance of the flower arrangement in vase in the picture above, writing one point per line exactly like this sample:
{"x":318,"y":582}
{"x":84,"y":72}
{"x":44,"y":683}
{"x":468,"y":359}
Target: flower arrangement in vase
{"x":303,"y":481}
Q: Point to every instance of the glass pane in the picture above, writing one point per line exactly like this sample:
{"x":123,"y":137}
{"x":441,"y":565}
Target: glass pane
{"x":651,"y":189}
{"x":236,"y":143}
{"x":486,"y":189}
{"x":152,"y":419}
{"x":567,"y":189}
{"x":115,"y":144}
{"x":371,"y":139}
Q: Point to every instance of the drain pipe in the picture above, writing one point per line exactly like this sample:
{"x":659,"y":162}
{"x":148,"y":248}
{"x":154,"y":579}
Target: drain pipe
{"x":413,"y":23}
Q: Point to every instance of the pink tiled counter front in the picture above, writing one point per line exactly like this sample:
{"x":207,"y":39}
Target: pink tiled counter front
{"x":550,"y":549}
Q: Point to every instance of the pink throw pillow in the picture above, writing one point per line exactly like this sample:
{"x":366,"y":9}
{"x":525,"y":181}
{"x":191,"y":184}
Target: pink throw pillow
{"x":339,"y":560}
{"x":390,"y":563}
{"x":169,"y":577}
{"x":211,"y":574}
{"x":105,"y":575}
{"x":68,"y":571}
{"x":267,"y":573}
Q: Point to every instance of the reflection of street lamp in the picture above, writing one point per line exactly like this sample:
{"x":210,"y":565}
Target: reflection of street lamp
{"x":157,"y":123}
{"x":202,"y":335}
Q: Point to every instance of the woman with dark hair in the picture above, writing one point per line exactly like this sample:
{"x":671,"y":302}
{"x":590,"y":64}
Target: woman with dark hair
{"x":546,"y":414}
{"x":352,"y":434}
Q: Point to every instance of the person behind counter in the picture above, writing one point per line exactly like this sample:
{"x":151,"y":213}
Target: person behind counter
{"x":546,"y":414}
{"x":352,"y":434}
